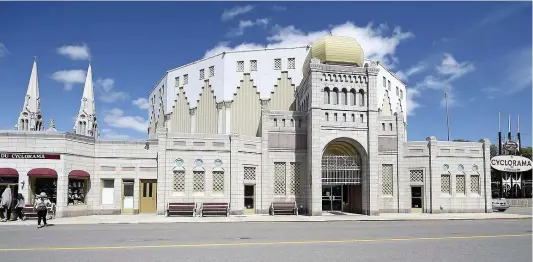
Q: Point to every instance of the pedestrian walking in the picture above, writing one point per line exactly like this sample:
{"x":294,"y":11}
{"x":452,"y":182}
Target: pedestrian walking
{"x":5,"y":203}
{"x":21,"y":203}
{"x":41,"y":206}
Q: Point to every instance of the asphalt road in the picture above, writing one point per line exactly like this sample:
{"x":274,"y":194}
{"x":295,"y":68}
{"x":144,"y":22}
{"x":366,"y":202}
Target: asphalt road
{"x":481,"y":240}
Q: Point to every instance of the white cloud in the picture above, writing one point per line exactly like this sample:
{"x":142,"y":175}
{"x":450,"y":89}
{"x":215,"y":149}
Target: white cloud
{"x":109,"y":134}
{"x":69,"y":77}
{"x":451,"y":68}
{"x":141,"y":103}
{"x":3,"y":50}
{"x":244,"y":24}
{"x":279,"y":8}
{"x":231,"y":13}
{"x":411,"y":104}
{"x":446,"y":72}
{"x":107,"y":94}
{"x":378,"y":42}
{"x":419,"y":68}
{"x":75,"y":52}
{"x":500,"y":14}
{"x":116,"y":118}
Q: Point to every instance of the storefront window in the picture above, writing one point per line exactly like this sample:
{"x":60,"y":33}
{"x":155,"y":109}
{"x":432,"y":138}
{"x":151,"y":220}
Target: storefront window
{"x":46,"y":185}
{"x":77,"y":189}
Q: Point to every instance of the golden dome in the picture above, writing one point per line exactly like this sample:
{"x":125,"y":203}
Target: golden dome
{"x":338,"y":49}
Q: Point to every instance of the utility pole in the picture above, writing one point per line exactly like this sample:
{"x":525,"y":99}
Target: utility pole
{"x":447,"y":116}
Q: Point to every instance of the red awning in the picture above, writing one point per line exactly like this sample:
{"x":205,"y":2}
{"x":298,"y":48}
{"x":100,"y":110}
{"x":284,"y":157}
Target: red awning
{"x":78,"y":174}
{"x":6,"y":171}
{"x":42,"y":172}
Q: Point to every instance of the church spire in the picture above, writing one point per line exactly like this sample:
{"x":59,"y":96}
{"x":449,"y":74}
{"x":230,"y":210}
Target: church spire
{"x":30,"y":118}
{"x":86,"y":123}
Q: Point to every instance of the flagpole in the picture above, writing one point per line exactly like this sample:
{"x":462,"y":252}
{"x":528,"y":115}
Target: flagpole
{"x":447,"y":115}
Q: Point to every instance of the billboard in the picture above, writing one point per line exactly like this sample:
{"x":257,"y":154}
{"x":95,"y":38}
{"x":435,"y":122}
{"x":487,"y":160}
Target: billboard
{"x":509,"y":163}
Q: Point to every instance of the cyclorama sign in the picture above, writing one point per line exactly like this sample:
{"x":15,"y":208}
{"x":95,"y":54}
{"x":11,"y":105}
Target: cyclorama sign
{"x":29,"y":156}
{"x":511,"y":163}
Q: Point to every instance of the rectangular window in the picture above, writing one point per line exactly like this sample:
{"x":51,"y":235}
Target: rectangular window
{"x":77,"y":191}
{"x":253,"y":65}
{"x":240,"y":66}
{"x":177,"y":81}
{"x":401,"y":94}
{"x":388,"y":83}
{"x":335,"y":117}
{"x":277,"y":64}
{"x":344,"y":117}
{"x":179,"y":181}
{"x":279,"y":178}
{"x":211,"y":71}
{"x":249,"y":173}
{"x":362,"y":117}
{"x":390,"y":126}
{"x":201,"y":74}
{"x":474,"y":184}
{"x":294,"y":178}
{"x":198,"y":181}
{"x":291,"y":63}
{"x":327,"y":116}
{"x":383,"y":126}
{"x":384,"y":82}
{"x":108,"y":191}
{"x":416,"y":175}
{"x":461,"y":184}
{"x":387,"y":179}
{"x":218,"y":181}
{"x":185,"y":79}
{"x":445,"y":183}
{"x":353,"y":117}
{"x":397,"y":91}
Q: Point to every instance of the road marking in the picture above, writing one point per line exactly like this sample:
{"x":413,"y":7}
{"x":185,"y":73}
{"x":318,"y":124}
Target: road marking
{"x":256,"y":243}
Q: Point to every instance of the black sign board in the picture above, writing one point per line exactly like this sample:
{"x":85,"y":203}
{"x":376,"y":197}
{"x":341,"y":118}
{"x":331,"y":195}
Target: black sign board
{"x":29,"y":156}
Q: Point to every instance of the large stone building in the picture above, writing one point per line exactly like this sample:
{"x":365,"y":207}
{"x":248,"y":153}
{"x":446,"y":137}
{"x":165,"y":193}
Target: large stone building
{"x":318,"y":125}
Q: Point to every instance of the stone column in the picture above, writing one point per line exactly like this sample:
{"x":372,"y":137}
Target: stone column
{"x":432,"y":190}
{"x":372,"y":170}
{"x":486,"y":177}
{"x":164,"y":172}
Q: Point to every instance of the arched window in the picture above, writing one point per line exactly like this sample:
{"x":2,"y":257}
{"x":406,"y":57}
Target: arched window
{"x":335,"y":99}
{"x":327,"y":98}
{"x":344,"y":97}
{"x":361,"y":97}
{"x":352,"y":97}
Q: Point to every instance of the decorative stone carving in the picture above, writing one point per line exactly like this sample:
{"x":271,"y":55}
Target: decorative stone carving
{"x":264,"y":103}
{"x":192,"y":111}
{"x":315,"y":60}
{"x":227,"y":104}
{"x":220,"y":105}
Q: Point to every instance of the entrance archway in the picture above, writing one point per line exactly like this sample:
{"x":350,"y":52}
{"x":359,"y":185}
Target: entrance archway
{"x":342,"y":174}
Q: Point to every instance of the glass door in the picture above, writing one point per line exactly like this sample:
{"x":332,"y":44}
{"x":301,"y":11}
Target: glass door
{"x":326,"y":198}
{"x":416,"y":199}
{"x":331,"y":198}
{"x":127,"y":196}
{"x":249,"y":199}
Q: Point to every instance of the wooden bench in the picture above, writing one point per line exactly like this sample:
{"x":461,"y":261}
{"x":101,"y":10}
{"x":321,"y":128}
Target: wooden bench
{"x":283,"y":208}
{"x":213,"y":209}
{"x":181,"y":209}
{"x":30,"y":212}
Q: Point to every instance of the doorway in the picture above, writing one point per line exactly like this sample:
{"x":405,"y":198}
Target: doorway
{"x":148,"y":200}
{"x":249,"y":199}
{"x":332,"y":198}
{"x":416,"y":199}
{"x":127,"y":196}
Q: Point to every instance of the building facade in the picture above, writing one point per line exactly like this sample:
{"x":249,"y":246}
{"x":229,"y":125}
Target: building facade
{"x":318,"y":125}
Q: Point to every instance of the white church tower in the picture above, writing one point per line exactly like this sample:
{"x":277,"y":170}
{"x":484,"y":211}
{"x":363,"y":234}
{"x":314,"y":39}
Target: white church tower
{"x":31,"y":118}
{"x":86,"y":123}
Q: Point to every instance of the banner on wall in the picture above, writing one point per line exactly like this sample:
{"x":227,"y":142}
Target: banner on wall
{"x":29,"y":156}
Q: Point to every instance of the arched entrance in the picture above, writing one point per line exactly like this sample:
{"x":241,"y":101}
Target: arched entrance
{"x":342,"y":169}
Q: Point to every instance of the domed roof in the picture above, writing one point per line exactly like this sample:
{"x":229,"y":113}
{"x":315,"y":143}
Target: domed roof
{"x":338,"y":49}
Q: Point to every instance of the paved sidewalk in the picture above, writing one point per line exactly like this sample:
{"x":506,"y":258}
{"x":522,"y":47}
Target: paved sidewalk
{"x":147,"y":219}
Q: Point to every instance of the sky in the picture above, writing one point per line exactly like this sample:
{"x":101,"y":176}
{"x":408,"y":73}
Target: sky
{"x":479,"y":53}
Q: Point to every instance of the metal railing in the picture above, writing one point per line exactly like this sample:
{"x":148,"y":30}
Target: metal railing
{"x":343,"y":170}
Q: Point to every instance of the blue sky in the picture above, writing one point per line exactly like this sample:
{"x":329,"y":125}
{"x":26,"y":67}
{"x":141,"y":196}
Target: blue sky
{"x":479,"y":52}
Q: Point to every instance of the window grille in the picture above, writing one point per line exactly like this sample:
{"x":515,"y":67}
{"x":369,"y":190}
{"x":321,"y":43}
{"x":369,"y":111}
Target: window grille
{"x":198,"y":181}
{"x":277,"y":63}
{"x":387,"y":179}
{"x":218,"y":181}
{"x":185,"y":79}
{"x":295,"y":173}
{"x":461,"y":183}
{"x":201,"y":74}
{"x":249,"y":173}
{"x":417,"y":175}
{"x":279,"y":178}
{"x":474,"y":184}
{"x":445,"y":183}
{"x":211,"y":71}
{"x":291,"y":63}
{"x":240,"y":66}
{"x":179,"y":181}
{"x":253,"y":65}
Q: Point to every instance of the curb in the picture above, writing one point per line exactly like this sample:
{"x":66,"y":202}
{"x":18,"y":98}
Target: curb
{"x":279,"y":221}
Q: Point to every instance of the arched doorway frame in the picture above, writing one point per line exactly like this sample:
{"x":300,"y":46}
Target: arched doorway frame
{"x":359,"y":202}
